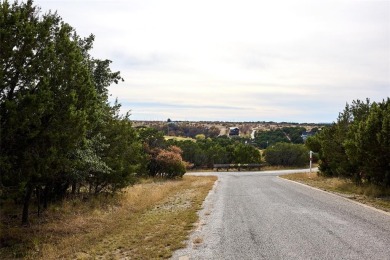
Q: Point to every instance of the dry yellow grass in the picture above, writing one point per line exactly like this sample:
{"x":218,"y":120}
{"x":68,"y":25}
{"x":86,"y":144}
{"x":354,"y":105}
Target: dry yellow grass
{"x":179,"y":138}
{"x":148,"y":220}
{"x":369,"y":194}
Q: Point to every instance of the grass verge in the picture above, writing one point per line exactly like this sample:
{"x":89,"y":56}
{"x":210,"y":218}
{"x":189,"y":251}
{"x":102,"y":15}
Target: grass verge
{"x":369,"y":194}
{"x":147,"y":221}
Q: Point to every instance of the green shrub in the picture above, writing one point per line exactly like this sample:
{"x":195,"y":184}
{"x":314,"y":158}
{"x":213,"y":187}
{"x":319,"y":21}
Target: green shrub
{"x":286,"y":154}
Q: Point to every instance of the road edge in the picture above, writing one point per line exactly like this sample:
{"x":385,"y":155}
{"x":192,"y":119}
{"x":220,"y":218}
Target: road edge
{"x":339,"y":196}
{"x":203,"y":215}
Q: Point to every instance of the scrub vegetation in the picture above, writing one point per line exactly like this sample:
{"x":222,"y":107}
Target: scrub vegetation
{"x":357,"y":145}
{"x":146,"y":221}
{"x":354,"y":154}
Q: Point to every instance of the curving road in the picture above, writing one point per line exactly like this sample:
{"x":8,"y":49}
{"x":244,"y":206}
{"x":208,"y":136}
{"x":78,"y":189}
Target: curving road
{"x":256,"y":215}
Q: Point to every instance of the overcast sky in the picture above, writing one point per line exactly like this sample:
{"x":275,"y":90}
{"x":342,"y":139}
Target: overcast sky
{"x":294,"y":61}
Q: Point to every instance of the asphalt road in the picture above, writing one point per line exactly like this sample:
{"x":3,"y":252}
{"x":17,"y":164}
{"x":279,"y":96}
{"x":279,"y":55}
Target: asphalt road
{"x":256,"y":215}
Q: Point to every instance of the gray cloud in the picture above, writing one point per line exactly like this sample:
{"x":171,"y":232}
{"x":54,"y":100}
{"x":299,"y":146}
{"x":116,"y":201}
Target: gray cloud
{"x":254,"y":60}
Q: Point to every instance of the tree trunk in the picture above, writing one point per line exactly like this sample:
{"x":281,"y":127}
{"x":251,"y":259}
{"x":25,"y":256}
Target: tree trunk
{"x":38,"y":194}
{"x":26,"y":204}
{"x":46,"y":196}
{"x":74,"y":187}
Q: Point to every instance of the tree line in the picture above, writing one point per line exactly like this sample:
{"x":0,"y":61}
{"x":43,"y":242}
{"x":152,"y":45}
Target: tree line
{"x":205,"y":152}
{"x":185,"y":129}
{"x":263,"y":139}
{"x":357,"y":145}
{"x":59,"y":132}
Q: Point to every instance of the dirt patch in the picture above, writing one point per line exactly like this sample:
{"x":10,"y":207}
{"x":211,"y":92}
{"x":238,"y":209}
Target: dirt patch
{"x":180,"y":201}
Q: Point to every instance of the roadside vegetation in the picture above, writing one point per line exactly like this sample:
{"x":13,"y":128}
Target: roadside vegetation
{"x":60,"y":135}
{"x":371,"y":194}
{"x":354,"y":154}
{"x":147,"y":221}
{"x":357,"y":145}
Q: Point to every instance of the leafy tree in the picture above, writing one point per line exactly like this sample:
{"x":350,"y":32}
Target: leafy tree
{"x":313,"y":143}
{"x":263,"y":139}
{"x":151,"y":138}
{"x":368,"y":142}
{"x":200,"y":137}
{"x":170,"y":163}
{"x":225,"y":141}
{"x":220,"y":150}
{"x":334,"y":161}
{"x":152,"y":141}
{"x":217,"y":154}
{"x":46,"y":95}
{"x":357,"y":145}
{"x":191,"y":151}
{"x":185,"y":129}
{"x":123,"y":153}
{"x":88,"y":164}
{"x":294,"y":134}
{"x":213,"y":132}
{"x":57,"y":127}
{"x":162,"y":160}
{"x":286,"y":154}
{"x":246,"y":154}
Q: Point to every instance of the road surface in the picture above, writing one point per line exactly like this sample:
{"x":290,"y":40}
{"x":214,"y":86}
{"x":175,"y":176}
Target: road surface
{"x":257,"y":215}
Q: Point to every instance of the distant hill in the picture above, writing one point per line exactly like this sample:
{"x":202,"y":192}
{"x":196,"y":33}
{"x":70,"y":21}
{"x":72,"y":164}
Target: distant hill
{"x":216,"y":128}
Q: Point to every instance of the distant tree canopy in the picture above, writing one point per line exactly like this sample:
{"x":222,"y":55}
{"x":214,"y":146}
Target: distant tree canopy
{"x":287,"y":154}
{"x":185,"y":129}
{"x":357,"y":146}
{"x":221,"y":150}
{"x":263,"y":139}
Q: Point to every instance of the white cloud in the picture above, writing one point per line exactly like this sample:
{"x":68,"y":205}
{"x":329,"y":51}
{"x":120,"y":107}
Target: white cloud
{"x":307,"y":58}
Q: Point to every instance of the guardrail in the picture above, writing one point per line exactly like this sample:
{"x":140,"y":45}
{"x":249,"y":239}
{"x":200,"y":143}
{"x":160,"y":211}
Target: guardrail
{"x":238,"y":166}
